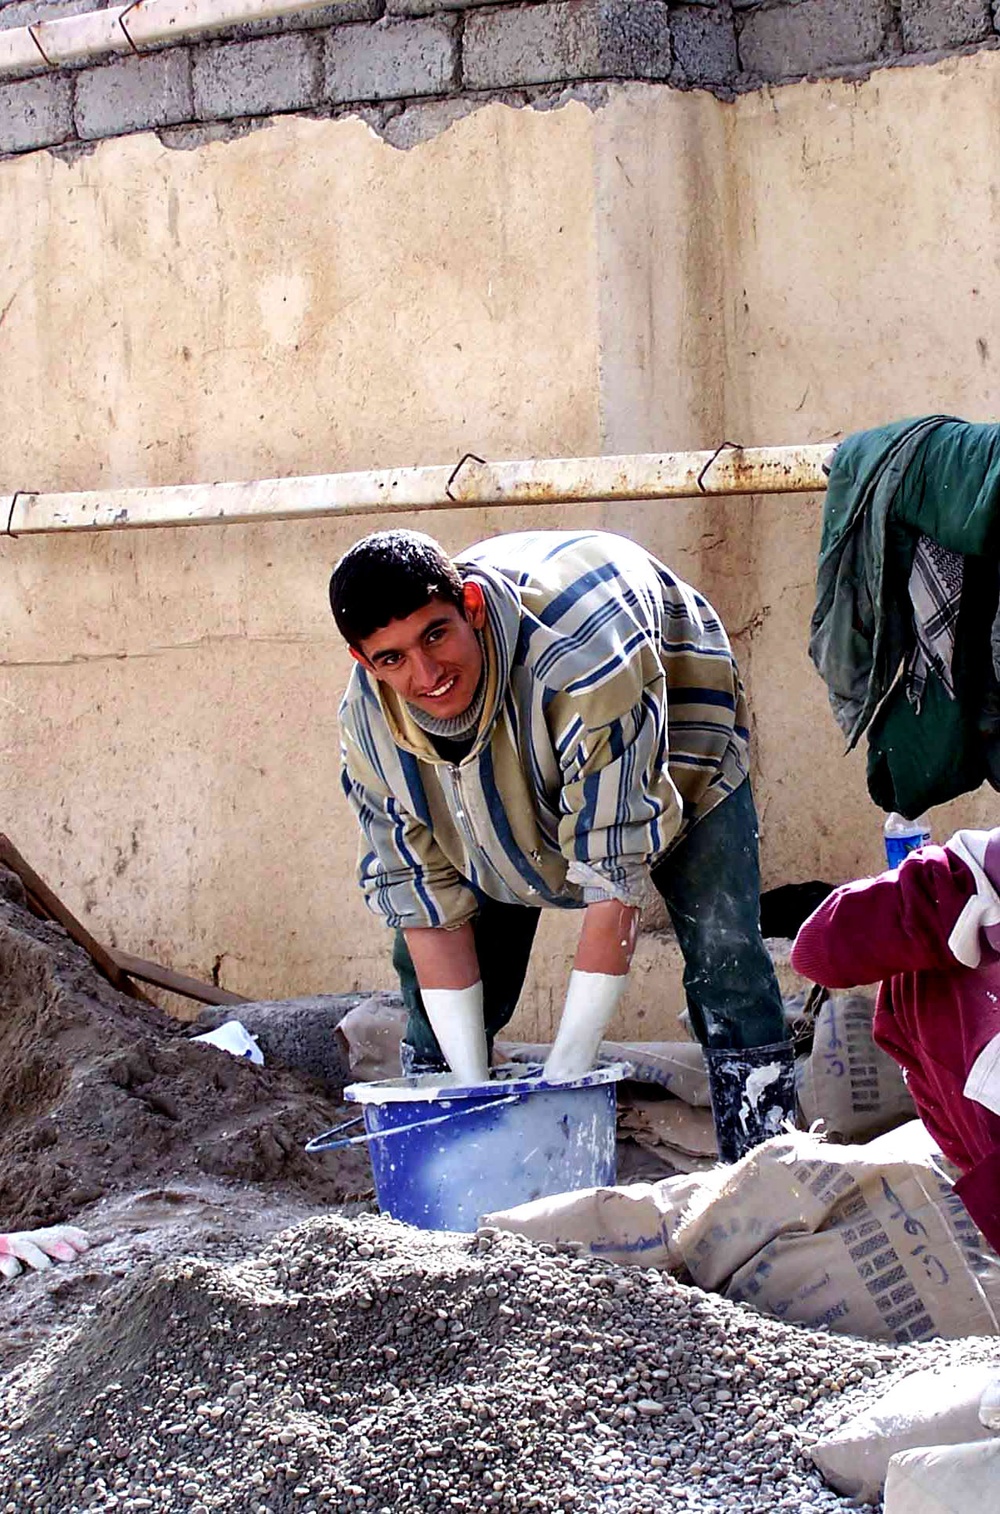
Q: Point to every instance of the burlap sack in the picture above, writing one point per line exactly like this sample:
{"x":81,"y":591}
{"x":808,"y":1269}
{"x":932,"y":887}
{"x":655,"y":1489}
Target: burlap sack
{"x":944,"y":1480}
{"x":868,"y":1240}
{"x":937,"y":1407}
{"x":670,"y":1128}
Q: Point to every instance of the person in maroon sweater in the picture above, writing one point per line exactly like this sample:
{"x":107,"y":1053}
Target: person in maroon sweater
{"x":929,"y":933}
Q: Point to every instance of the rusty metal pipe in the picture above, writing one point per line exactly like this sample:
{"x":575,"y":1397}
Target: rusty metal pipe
{"x":472,"y":484}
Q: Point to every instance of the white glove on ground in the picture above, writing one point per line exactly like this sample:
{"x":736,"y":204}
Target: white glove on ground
{"x":590,"y":1002}
{"x":456,"y":1016}
{"x":38,"y":1248}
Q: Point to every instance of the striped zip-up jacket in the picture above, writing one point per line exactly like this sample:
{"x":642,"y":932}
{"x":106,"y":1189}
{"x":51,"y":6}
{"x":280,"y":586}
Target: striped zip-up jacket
{"x":614,"y":719}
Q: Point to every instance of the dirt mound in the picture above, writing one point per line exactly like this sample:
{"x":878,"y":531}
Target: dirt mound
{"x":362,"y":1366}
{"x":100,"y":1094}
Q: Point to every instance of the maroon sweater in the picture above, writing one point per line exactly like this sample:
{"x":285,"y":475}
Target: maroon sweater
{"x":935,"y":1011}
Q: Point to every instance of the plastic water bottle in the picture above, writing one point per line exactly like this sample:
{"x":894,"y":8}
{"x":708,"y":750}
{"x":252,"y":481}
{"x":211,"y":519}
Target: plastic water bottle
{"x":902,"y":836}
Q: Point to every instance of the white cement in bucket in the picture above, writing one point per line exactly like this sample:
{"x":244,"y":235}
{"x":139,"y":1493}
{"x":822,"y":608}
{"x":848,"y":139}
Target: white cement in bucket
{"x":500,"y":1143}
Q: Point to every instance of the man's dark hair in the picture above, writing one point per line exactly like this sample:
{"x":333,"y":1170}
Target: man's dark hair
{"x":387,"y":576}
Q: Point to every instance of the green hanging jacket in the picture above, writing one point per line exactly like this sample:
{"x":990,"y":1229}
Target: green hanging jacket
{"x":938,"y":477}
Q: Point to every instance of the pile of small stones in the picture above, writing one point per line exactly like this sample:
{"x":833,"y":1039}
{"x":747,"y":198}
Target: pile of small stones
{"x":357,"y":1365}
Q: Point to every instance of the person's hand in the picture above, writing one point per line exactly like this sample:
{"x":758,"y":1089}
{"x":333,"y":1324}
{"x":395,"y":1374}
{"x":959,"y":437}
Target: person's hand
{"x":39,"y":1248}
{"x":456,"y":1018}
{"x":600,"y":972}
{"x":590,"y":1003}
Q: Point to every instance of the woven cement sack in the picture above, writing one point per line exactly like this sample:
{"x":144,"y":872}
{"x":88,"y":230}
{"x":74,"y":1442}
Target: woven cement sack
{"x":937,"y":1407}
{"x":868,"y":1240}
{"x":847,"y":1082}
{"x":631,"y":1224}
{"x":671,"y":1129}
{"x":945,"y":1480}
{"x":677,"y":1066}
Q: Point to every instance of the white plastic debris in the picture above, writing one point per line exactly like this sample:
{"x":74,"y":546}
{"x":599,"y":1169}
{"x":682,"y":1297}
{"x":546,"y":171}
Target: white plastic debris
{"x":236,"y":1039}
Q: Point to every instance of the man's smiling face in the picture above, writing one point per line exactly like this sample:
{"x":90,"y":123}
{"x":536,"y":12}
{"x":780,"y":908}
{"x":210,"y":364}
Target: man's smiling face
{"x":431,"y":658}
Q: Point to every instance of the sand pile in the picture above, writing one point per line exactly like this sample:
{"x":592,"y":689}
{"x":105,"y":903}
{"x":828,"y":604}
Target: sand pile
{"x":356,"y":1365}
{"x":100,"y":1094}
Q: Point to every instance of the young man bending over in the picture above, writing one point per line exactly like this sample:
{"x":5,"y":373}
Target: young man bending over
{"x":537,"y":724}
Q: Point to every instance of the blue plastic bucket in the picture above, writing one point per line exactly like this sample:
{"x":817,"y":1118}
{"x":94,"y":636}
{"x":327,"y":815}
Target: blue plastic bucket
{"x":443,"y":1156}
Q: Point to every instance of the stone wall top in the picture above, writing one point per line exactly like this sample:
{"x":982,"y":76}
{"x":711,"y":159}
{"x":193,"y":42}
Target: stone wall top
{"x":385,"y":54}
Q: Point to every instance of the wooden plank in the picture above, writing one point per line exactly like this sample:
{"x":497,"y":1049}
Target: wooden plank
{"x":117,"y":966}
{"x":53,"y":906}
{"x":177,"y":983}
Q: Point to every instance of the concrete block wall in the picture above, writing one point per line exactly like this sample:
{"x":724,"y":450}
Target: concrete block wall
{"x":389,"y":53}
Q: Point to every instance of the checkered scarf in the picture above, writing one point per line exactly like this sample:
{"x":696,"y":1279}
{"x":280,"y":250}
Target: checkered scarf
{"x":935,"y":594}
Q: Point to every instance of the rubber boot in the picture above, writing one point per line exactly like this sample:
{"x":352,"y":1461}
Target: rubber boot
{"x":753,"y":1094}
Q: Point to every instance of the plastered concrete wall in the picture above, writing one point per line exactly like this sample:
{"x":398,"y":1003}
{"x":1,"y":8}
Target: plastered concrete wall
{"x":663,"y":270}
{"x":306,"y":299}
{"x":864,"y":287}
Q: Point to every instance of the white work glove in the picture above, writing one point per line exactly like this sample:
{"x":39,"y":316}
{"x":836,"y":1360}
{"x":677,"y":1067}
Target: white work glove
{"x":590,"y":1002}
{"x":456,"y":1016}
{"x":38,"y":1248}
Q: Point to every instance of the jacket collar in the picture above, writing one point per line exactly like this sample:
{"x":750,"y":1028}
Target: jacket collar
{"x":980,"y":919}
{"x":500,"y":637}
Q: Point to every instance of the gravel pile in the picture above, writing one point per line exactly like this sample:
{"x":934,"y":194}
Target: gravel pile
{"x":356,"y":1365}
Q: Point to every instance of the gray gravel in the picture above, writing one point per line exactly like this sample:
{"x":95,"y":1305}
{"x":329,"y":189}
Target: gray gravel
{"x":356,"y":1365}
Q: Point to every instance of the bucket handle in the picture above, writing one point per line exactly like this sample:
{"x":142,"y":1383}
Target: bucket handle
{"x":332,"y":1140}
